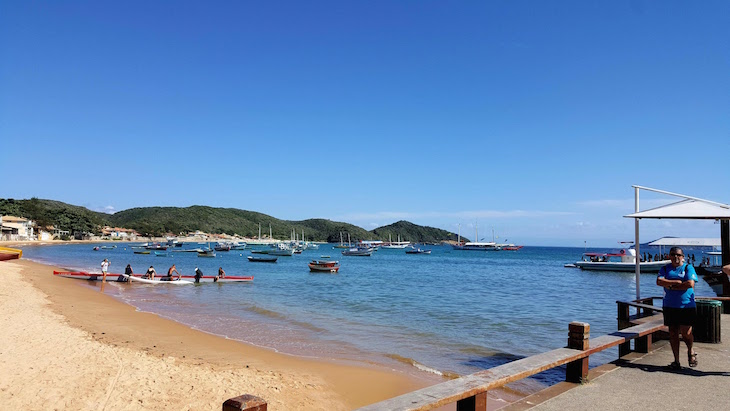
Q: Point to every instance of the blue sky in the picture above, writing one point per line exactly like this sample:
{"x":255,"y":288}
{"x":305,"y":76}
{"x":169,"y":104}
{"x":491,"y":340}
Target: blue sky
{"x":530,"y":117}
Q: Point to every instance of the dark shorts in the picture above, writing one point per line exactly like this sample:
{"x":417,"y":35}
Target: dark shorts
{"x":679,"y":316}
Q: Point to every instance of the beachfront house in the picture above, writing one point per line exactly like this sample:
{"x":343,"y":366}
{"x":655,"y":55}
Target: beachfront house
{"x":17,"y":228}
{"x":118,"y":233}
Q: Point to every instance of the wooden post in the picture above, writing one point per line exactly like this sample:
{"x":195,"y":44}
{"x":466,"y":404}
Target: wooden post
{"x":244,"y":402}
{"x":623,"y":322}
{"x":475,"y":403}
{"x":578,"y":339}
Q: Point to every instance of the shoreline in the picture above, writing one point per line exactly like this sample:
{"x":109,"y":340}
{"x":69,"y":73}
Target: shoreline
{"x":151,"y":350}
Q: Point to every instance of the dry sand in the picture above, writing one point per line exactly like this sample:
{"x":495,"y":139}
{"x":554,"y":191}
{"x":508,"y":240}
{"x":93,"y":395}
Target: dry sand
{"x":67,"y":345}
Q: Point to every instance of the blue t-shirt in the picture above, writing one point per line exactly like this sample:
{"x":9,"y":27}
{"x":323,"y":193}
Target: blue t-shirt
{"x":679,"y":298}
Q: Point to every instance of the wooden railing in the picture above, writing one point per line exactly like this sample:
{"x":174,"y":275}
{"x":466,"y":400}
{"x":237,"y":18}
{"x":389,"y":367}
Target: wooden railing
{"x":470,"y":392}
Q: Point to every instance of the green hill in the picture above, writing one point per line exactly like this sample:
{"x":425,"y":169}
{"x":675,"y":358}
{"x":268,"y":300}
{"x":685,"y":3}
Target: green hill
{"x":159,"y":221}
{"x":413,"y":233}
{"x":48,"y":213}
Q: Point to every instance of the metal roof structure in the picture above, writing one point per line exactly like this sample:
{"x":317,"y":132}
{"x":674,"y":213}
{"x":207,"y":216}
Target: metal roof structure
{"x":689,"y":208}
{"x":685,"y":241}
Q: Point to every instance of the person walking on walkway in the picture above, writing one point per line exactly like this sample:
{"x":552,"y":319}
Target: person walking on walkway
{"x":678,"y":280}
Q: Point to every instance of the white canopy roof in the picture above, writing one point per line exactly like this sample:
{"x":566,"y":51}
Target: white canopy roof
{"x":684,"y":241}
{"x":690,"y":209}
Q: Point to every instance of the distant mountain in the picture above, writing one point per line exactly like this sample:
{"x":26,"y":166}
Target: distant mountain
{"x":413,"y":233}
{"x":159,"y":221}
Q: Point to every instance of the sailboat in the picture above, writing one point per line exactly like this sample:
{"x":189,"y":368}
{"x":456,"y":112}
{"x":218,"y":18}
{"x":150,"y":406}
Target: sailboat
{"x":341,"y":244}
{"x":476,"y":245}
{"x":395,"y":245}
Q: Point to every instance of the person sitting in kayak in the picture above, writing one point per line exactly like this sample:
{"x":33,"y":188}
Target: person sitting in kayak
{"x":150,"y":273}
{"x":170,"y":271}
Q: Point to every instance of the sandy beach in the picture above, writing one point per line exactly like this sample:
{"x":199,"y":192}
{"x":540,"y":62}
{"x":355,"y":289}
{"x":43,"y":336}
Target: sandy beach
{"x":67,"y":345}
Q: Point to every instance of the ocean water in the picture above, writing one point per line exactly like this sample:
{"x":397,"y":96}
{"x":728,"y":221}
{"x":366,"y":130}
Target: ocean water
{"x":450,"y":312}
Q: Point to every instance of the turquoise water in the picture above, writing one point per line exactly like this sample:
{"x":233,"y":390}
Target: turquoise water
{"x":450,"y":311}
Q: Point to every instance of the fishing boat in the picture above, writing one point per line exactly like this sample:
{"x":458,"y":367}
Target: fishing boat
{"x":257,"y":259}
{"x":222,"y":247}
{"x":10,"y":253}
{"x":414,"y":250}
{"x":621,"y":260}
{"x":206,"y":253}
{"x":80,"y":275}
{"x":357,"y":251}
{"x":156,"y":246}
{"x":324,"y":266}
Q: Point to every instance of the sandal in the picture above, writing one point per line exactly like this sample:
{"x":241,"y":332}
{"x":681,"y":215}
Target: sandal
{"x":692,"y":359}
{"x":674,"y":366}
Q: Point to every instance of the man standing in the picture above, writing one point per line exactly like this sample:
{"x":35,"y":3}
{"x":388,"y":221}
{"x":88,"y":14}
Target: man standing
{"x":678,"y":280}
{"x":104,"y":268}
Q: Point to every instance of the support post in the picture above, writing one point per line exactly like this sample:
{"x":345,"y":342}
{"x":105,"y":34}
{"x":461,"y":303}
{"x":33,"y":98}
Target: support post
{"x":244,"y":402}
{"x":578,"y":339}
{"x":475,"y":403}
{"x":623,"y":322}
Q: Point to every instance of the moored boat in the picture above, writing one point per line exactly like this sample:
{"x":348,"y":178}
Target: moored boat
{"x":327,"y":266}
{"x":621,"y":260}
{"x":414,"y":250}
{"x":357,"y":251}
{"x":142,"y":252}
{"x":206,"y":253}
{"x":257,"y":259}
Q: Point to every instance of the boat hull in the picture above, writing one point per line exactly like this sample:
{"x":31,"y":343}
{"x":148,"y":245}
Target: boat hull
{"x":324,"y":266}
{"x":262,"y":259}
{"x":10,"y":253}
{"x":647,"y":267}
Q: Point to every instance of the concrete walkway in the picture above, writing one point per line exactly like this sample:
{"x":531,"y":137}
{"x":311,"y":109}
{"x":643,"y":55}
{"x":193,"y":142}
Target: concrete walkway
{"x":643,"y":382}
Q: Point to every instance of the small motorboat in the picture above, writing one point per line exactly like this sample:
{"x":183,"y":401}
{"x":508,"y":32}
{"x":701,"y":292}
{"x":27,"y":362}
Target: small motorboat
{"x":358,"y":251}
{"x":324,"y":266}
{"x":160,"y":254}
{"x":257,"y":259}
{"x":418,"y":251}
{"x":142,"y":252}
{"x":206,"y":253}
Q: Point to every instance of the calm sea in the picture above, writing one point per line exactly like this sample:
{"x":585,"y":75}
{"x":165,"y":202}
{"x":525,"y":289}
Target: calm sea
{"x":448,"y":312}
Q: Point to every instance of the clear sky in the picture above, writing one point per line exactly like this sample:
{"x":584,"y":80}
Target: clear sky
{"x":530,"y":117}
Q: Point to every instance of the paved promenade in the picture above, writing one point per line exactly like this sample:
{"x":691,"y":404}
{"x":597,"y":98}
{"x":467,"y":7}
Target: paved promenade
{"x":645,"y":383}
